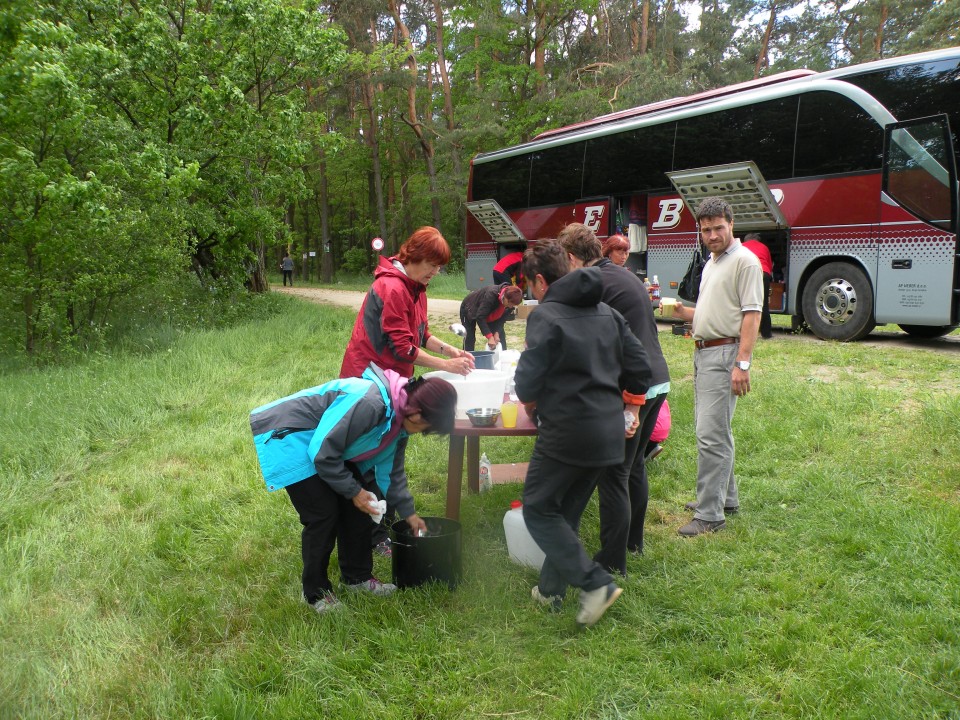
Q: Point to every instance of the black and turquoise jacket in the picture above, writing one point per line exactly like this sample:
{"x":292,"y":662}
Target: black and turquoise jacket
{"x":318,"y":430}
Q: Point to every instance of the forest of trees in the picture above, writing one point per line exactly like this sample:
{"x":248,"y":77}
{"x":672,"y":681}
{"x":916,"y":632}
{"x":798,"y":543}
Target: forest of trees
{"x":148,"y":143}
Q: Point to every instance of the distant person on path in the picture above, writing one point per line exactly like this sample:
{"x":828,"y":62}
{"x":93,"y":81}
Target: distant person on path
{"x":725,"y":323}
{"x":509,"y":270}
{"x":581,"y":365}
{"x":286,"y":265}
{"x":329,"y":446}
{"x":753,"y":243}
{"x":489,"y":308}
{"x":391,"y":329}
{"x":623,"y":489}
{"x":617,"y":249}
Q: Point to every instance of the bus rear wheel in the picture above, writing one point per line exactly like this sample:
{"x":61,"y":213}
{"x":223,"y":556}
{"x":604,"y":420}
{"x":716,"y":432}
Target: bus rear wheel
{"x":838,"y":303}
{"x":928,"y":331}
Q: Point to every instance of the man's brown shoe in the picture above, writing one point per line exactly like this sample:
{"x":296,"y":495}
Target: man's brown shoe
{"x":692,"y":505}
{"x":698,"y":527}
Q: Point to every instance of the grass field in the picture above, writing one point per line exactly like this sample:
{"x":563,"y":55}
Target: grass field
{"x":146,"y":573}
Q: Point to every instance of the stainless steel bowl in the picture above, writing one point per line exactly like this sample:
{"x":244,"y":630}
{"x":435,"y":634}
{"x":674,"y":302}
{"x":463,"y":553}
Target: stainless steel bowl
{"x":483,"y":417}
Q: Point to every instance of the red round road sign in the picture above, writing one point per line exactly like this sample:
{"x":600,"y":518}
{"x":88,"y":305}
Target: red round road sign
{"x":377,"y":244}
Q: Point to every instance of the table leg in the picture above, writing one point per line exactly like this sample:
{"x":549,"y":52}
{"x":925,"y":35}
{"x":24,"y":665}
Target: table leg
{"x":454,"y":476}
{"x":473,"y":464}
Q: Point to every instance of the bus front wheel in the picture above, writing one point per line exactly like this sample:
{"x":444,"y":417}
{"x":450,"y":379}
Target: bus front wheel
{"x":838,"y":303}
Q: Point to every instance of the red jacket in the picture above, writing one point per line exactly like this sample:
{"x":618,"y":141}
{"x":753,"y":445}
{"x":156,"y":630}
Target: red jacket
{"x":391,"y":326}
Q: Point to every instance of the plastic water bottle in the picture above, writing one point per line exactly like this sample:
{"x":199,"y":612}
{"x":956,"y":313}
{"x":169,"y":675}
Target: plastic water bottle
{"x":655,"y":290}
{"x":646,"y":284}
{"x":521,"y":546}
{"x":486,"y":481}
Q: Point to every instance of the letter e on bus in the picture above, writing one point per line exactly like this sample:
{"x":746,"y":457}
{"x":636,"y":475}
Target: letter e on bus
{"x":592,"y":215}
{"x":669,"y":214}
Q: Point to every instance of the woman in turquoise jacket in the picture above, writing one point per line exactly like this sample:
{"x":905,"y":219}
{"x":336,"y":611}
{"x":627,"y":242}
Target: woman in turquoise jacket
{"x":327,"y":446}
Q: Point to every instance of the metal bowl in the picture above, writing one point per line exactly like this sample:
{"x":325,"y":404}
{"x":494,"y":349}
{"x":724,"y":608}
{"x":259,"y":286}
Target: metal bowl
{"x":483,"y":417}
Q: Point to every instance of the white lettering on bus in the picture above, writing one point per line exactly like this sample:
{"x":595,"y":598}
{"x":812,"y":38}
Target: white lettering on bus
{"x":592,"y":215}
{"x":669,"y":214}
{"x":777,"y":195}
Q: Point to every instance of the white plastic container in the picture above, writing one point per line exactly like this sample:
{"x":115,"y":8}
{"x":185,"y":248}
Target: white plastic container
{"x":521,"y":546}
{"x":479,"y":389}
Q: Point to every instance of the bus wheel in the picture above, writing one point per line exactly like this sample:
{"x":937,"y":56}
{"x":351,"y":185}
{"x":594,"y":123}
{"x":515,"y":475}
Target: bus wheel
{"x":838,"y":303}
{"x":928,"y":331}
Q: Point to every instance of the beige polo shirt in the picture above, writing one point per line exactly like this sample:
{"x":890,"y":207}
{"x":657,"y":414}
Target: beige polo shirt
{"x":730,"y":286}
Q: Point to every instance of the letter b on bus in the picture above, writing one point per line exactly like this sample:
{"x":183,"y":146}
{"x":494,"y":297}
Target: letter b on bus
{"x":669,"y":214}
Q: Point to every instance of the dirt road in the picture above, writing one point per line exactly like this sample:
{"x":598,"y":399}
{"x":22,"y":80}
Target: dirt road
{"x":441,"y":313}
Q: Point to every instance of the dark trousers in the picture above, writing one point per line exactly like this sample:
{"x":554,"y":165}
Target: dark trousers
{"x":287,"y":274}
{"x":327,"y":518}
{"x":554,"y":497}
{"x":623,"y":492}
{"x":470,"y":341}
{"x":766,"y":330}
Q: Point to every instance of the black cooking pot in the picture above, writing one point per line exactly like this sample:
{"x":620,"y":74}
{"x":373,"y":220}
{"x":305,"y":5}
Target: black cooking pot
{"x":434,"y":557}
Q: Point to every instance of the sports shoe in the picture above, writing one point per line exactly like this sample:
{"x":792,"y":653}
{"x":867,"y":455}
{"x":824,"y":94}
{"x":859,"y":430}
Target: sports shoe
{"x":594,"y":603}
{"x":699,"y":527}
{"x":327,"y":603}
{"x":653,"y":452}
{"x":692,"y":505}
{"x":554,"y":603}
{"x":383,"y":549}
{"x":374,"y":587}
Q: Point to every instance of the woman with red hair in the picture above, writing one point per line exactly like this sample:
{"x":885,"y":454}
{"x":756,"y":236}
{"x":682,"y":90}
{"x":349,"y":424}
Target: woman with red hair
{"x":617,"y":248}
{"x":391,"y":329}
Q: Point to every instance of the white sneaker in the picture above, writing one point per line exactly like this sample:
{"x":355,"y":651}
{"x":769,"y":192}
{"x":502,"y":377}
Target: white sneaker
{"x":594,"y":603}
{"x":554,"y":603}
{"x":326,"y":604}
{"x":374,"y":587}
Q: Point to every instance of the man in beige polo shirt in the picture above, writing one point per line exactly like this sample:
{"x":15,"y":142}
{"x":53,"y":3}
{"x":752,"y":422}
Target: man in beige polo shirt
{"x":725,"y":323}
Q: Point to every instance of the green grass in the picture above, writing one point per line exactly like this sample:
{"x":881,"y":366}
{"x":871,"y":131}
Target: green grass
{"x":145,"y":572}
{"x":450,"y":286}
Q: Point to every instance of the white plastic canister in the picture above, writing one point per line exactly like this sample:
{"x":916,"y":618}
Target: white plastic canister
{"x":521,"y":546}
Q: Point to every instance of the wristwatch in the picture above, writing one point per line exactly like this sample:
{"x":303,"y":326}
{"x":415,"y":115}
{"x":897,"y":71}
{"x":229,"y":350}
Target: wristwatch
{"x":743,"y":364}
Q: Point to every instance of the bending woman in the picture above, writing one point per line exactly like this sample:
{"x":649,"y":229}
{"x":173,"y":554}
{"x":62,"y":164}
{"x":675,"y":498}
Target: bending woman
{"x":489,"y":307}
{"x":328,"y":446}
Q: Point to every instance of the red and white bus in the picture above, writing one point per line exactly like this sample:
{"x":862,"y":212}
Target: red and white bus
{"x":849,"y":176}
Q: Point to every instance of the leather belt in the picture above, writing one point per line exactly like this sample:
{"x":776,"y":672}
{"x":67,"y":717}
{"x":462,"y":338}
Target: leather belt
{"x":701,"y":344}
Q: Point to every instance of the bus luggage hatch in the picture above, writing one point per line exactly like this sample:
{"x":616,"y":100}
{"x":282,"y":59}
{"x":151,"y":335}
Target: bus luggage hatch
{"x":495,"y":221}
{"x":740,"y":184}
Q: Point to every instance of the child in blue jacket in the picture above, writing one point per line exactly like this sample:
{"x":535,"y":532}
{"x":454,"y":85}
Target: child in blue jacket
{"x":327,"y":445}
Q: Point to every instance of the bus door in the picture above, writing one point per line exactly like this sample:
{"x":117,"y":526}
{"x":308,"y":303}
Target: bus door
{"x":756,"y":208}
{"x":917,"y":273}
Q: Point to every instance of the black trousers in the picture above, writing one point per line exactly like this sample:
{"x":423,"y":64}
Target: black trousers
{"x":623,"y":492}
{"x":766,"y":328}
{"x":554,"y":497}
{"x":328,"y":518}
{"x":287,"y":274}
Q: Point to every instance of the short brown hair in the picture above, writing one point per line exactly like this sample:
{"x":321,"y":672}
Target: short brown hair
{"x":580,"y":241}
{"x":426,"y":243}
{"x":513,"y":294}
{"x":547,"y":258}
{"x":712,"y":207}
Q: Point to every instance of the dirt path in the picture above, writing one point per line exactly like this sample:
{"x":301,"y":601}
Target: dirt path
{"x":441,"y":313}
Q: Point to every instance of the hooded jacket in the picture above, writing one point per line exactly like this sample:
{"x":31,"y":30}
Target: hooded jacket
{"x":580,"y":356}
{"x":391,"y":325}
{"x":318,"y":430}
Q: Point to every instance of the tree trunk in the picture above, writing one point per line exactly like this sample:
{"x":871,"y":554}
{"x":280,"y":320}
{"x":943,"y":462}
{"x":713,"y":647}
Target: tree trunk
{"x":371,"y":137}
{"x":644,"y":27}
{"x":878,"y":42}
{"x":325,"y":249}
{"x":445,"y":82}
{"x":762,"y":56}
{"x":413,"y":121}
